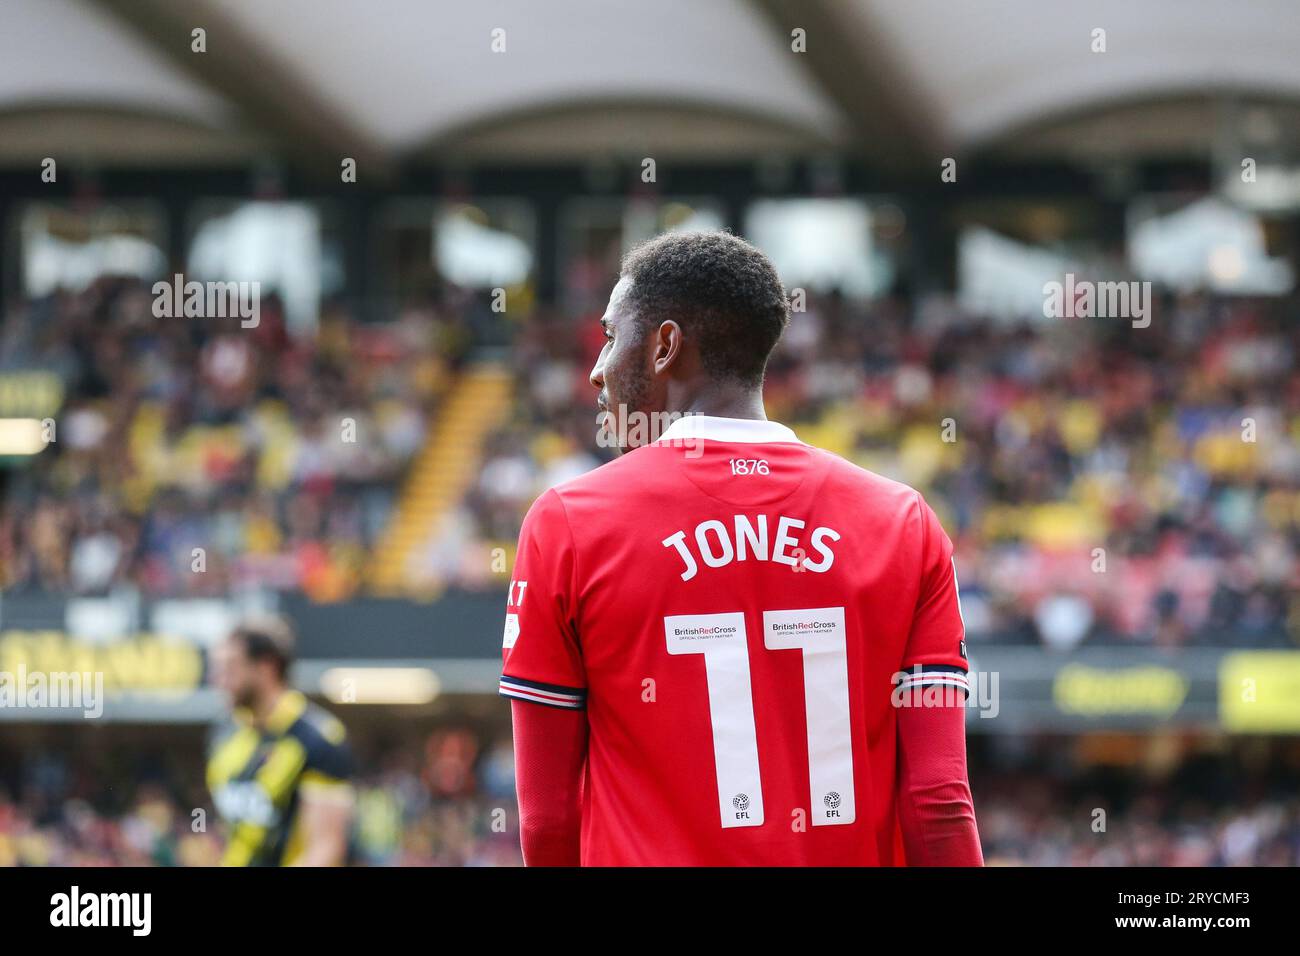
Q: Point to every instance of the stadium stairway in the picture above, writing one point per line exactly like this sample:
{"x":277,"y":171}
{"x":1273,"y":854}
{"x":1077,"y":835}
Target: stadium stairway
{"x":440,"y":476}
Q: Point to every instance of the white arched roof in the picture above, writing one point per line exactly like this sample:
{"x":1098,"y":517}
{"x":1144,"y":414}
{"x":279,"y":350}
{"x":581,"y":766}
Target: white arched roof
{"x":402,"y":76}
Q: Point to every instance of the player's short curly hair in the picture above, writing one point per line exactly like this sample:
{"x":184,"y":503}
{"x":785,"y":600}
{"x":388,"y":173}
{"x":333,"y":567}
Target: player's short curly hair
{"x":719,"y":289}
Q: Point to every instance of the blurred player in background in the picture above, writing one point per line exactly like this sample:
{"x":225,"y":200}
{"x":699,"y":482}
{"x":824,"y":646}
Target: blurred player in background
{"x":716,"y":624}
{"x":280,"y":772}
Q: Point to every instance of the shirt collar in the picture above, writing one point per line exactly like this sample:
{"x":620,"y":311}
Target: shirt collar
{"x":712,"y":428}
{"x":288,"y":708}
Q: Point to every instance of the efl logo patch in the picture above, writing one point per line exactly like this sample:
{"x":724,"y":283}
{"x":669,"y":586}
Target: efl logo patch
{"x":511,"y":632}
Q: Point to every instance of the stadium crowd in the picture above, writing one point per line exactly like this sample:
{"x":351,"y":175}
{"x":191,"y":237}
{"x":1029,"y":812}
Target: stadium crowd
{"x":1128,"y":801}
{"x":279,"y":455}
{"x":1102,"y":483}
{"x":452,"y":804}
{"x":448,"y":801}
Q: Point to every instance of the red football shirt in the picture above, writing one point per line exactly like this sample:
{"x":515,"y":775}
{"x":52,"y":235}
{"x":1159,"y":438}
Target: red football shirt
{"x":733,"y":608}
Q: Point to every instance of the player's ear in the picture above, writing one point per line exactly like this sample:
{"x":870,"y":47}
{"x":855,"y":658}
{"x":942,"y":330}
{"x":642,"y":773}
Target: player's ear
{"x":667,"y":346}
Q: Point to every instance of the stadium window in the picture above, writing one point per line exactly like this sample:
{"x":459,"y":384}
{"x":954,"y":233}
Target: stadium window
{"x":595,"y":234}
{"x":1002,"y":279}
{"x":475,"y":244}
{"x":403,"y":246}
{"x":1009,"y":249}
{"x":484,"y":245}
{"x":823,"y":244}
{"x":591,"y":247}
{"x":284,"y":246}
{"x":1207,"y":243}
{"x":644,"y":218}
{"x":68,"y":247}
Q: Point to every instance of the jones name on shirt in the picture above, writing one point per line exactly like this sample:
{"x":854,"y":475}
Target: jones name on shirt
{"x":718,"y":543}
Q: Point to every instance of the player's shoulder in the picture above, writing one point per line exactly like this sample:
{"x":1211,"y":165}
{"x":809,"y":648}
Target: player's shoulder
{"x":222,"y":733}
{"x":874,"y":499}
{"x":324,"y":742}
{"x":889,"y":492}
{"x":592,"y":488}
{"x":316,"y":727}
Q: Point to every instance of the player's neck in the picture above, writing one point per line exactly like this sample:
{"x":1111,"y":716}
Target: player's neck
{"x":725,"y":403}
{"x":265,"y":706}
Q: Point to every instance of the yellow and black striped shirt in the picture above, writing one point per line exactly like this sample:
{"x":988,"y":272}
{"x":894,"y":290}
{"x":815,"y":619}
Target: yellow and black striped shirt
{"x":257,"y":774}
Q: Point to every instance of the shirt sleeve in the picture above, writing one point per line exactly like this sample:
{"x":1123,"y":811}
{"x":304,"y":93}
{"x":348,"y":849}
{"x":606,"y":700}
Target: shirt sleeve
{"x":935,"y":654}
{"x":550,"y":755}
{"x":329,"y":766}
{"x":935,"y":810}
{"x":541,"y":657}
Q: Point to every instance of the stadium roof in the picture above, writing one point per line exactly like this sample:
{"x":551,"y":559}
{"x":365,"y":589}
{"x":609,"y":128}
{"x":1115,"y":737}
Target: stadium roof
{"x":115,"y":81}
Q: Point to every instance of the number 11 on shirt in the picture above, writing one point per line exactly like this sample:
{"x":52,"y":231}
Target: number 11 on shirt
{"x":819,"y":634}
